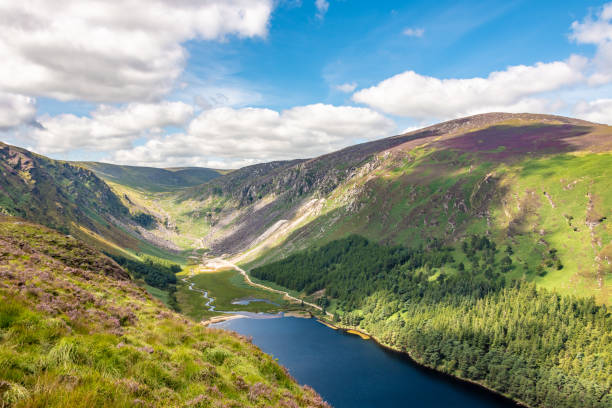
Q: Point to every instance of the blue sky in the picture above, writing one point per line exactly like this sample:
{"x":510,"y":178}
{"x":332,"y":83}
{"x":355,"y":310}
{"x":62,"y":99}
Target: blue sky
{"x":362,"y":42}
{"x":267,"y":80}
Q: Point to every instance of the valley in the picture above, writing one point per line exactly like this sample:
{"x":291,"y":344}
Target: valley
{"x":480,"y":247}
{"x":305,"y":204}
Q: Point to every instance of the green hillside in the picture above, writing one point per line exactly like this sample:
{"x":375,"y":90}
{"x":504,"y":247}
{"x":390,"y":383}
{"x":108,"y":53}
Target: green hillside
{"x":465,"y":318}
{"x":72,"y":200}
{"x":535,"y":183}
{"x":76,"y":332}
{"x":480,"y":246}
{"x":151,"y":178}
{"x":53,"y":192}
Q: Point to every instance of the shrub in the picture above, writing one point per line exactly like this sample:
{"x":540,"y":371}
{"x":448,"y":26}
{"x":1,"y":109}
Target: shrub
{"x":144,"y":220}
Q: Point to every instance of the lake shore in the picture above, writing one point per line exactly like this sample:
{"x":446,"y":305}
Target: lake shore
{"x":300,"y":314}
{"x":347,"y":329}
{"x":222,"y":318}
{"x":368,"y":336}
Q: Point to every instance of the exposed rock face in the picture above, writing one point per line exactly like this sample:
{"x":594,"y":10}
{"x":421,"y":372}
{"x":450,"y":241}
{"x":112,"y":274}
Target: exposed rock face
{"x":257,"y":197}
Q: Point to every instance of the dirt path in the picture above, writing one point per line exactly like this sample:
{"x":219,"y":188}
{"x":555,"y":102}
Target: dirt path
{"x":221,"y":263}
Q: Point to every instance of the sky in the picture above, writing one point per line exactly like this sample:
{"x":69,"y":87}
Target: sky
{"x":229,"y":83}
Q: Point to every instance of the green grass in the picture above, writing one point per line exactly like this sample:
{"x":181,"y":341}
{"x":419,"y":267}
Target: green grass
{"x":158,"y":293}
{"x":225,"y":287}
{"x":448,"y":195}
{"x":276,"y":286}
{"x":189,"y":216}
{"x":567,"y":179}
{"x":81,"y":336}
{"x":150,"y":178}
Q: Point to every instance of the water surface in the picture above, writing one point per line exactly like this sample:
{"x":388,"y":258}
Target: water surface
{"x":349,"y":372}
{"x":248,"y":300}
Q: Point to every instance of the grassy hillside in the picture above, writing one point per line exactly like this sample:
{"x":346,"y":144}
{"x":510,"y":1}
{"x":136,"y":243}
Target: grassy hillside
{"x":153,"y":192}
{"x":54,"y":193}
{"x":532,"y":182}
{"x":67,"y":198}
{"x":151,"y":178}
{"x":73,"y":200}
{"x":537,"y":183}
{"x":76,"y":332}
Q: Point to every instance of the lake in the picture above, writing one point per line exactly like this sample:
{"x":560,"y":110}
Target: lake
{"x":248,"y":300}
{"x":349,"y":372}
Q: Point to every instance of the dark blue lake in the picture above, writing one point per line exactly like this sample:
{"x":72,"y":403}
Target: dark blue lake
{"x":349,"y":372}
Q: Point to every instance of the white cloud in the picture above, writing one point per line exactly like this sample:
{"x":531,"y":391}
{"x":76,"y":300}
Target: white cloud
{"x":112,"y":51}
{"x":347,"y":87}
{"x":599,"y":111}
{"x":414,"y":32}
{"x":226,"y":137}
{"x":108,"y":128}
{"x":594,"y":30}
{"x":322,"y":7}
{"x":16,"y":110}
{"x":422,"y":97}
{"x":597,"y":31}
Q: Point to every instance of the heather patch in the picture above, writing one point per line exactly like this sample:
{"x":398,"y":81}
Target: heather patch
{"x":72,"y":334}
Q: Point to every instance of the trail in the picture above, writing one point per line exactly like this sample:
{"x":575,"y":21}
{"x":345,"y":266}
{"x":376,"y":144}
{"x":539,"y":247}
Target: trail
{"x":218,"y":262}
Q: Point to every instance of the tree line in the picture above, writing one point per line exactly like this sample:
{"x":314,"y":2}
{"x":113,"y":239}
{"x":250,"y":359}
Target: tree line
{"x":463,"y":318}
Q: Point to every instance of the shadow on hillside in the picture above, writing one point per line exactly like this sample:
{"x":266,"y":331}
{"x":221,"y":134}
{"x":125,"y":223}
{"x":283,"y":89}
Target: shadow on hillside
{"x":504,"y":141}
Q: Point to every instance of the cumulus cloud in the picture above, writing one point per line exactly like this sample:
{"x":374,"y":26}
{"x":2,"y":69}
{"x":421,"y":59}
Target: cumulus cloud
{"x":107,"y":128}
{"x":414,"y":32}
{"x":423,"y":97}
{"x":322,"y":7}
{"x":347,"y":87}
{"x":599,"y":111}
{"x":597,"y":30}
{"x":227,"y":137}
{"x":594,"y":30}
{"x":112,"y":51}
{"x":16,"y":110}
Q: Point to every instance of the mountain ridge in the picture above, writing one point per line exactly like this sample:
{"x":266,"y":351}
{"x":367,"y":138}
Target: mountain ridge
{"x":469,"y":175}
{"x":474,"y":160}
{"x":423,"y":240}
{"x":151,"y":178}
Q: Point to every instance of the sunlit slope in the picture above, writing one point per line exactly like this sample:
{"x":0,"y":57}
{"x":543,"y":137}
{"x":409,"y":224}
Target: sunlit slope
{"x":59,"y":195}
{"x":70,"y":199}
{"x":151,"y":178}
{"x":154,"y":191}
{"x":76,"y":332}
{"x":538,"y":183}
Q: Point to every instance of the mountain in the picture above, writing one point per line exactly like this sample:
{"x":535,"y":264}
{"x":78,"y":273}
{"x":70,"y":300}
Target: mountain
{"x":151,"y":178}
{"x":75,"y":331}
{"x":481,"y":247}
{"x":53,"y":192}
{"x":537,"y":183}
{"x":534,"y":182}
{"x":70,"y":199}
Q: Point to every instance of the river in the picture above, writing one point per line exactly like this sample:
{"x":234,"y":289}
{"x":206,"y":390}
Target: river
{"x":349,"y":372}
